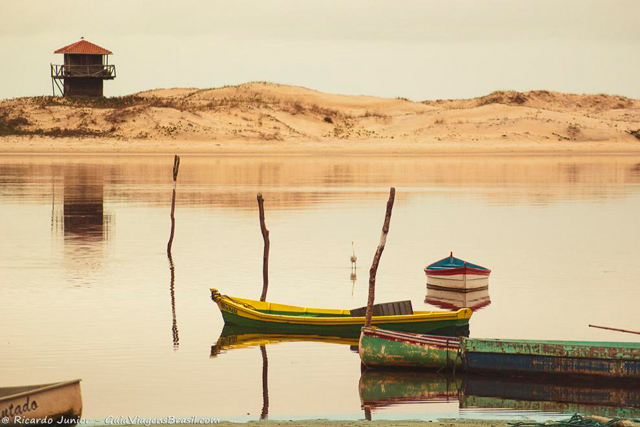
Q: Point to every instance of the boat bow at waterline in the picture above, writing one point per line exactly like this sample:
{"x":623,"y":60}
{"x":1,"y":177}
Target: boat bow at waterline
{"x":380,"y":348}
{"x":57,"y":403}
{"x":293,"y":319}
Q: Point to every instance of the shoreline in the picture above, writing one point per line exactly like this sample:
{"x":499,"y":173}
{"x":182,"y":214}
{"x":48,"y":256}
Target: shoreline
{"x":76,"y":146}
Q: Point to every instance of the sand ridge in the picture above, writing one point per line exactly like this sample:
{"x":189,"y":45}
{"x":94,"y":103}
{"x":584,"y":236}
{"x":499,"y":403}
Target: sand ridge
{"x":267,"y":117}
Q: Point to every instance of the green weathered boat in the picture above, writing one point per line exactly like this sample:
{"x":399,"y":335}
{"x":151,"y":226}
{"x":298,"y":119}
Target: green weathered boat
{"x":272,"y":317}
{"x":380,"y":348}
{"x":620,"y":360}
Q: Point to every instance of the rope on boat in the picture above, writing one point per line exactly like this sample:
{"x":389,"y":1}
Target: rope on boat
{"x":216,"y":296}
{"x":575,"y":421}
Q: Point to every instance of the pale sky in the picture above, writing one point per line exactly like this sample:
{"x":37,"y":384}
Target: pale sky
{"x":416,"y":49}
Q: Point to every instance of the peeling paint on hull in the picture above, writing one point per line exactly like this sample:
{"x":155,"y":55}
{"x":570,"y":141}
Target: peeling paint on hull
{"x":528,"y":364}
{"x":524,"y":357}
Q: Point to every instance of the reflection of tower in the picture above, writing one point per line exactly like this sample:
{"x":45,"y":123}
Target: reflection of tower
{"x":83,"y":207}
{"x":81,"y":221}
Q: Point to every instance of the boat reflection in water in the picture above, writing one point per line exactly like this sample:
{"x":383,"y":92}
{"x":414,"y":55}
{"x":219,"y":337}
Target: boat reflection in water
{"x":383,"y":388}
{"x":380,"y":389}
{"x":386,"y":388}
{"x":452,"y":300}
{"x":233,"y":337}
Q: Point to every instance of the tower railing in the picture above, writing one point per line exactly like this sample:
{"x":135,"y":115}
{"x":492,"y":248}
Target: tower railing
{"x":90,"y":70}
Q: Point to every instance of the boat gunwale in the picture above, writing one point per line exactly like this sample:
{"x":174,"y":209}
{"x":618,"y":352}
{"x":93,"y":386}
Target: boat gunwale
{"x":433,"y":267}
{"x":410,"y":338}
{"x":38,"y":388}
{"x":420,"y":316}
{"x":597,"y":350}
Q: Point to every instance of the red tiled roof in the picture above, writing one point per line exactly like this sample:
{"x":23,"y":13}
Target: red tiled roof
{"x":84,"y":47}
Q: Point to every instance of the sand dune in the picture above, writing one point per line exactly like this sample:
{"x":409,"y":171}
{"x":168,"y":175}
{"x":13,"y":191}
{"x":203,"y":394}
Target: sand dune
{"x":265,"y":117}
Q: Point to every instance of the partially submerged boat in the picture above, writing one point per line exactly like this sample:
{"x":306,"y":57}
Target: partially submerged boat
{"x":56,"y":403}
{"x":619,"y":360}
{"x":340,"y":323}
{"x":457,"y":275}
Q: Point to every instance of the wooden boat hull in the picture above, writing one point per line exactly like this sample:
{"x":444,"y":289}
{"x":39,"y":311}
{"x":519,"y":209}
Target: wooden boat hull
{"x":390,"y":349}
{"x":458,"y":282}
{"x":386,"y":349}
{"x":301,"y":320}
{"x":527,"y":357}
{"x":59,"y":402}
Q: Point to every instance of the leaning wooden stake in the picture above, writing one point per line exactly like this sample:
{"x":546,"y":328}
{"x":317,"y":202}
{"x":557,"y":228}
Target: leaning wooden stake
{"x":614,"y":329}
{"x":376,"y":258}
{"x":265,"y":256}
{"x":172,"y":269}
{"x":176,"y":167}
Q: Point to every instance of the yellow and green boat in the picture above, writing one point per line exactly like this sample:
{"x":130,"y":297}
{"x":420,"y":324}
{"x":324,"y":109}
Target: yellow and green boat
{"x":268,"y":316}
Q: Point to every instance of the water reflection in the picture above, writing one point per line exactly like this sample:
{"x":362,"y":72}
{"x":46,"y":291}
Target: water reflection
{"x":519,"y":214}
{"x":79,"y":218}
{"x":174,"y":320}
{"x":384,"y":388}
{"x":232,"y":182}
{"x":238,"y":337}
{"x":609,"y":399}
{"x":451,"y":300}
{"x":265,"y":383}
{"x":235,"y":337}
{"x":380,"y":389}
{"x":84,"y":217}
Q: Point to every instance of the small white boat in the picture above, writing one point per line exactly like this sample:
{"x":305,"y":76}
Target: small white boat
{"x":457,"y":275}
{"x":59,"y":402}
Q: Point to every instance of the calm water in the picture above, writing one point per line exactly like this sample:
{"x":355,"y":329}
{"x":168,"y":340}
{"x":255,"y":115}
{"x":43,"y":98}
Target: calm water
{"x":86,"y":289}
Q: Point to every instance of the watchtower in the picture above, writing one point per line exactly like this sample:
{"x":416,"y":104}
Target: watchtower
{"x":85,"y":67}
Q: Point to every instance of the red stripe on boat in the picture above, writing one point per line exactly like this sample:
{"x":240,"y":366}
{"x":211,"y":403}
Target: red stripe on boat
{"x":459,"y":270}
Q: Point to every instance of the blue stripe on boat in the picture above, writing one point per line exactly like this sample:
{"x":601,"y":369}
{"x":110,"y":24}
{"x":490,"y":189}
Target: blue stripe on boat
{"x":452,"y":262}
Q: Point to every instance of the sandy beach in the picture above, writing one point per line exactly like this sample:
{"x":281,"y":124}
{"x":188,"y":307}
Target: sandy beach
{"x":265,"y":118}
{"x":405,"y":423}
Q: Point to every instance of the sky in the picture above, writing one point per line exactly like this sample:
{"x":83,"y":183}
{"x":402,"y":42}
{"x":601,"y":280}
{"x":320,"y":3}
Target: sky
{"x":402,"y":48}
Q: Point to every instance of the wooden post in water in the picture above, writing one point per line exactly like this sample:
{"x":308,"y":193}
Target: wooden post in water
{"x":265,"y":256}
{"x":376,"y":257}
{"x":176,"y":167}
{"x":172,"y":270}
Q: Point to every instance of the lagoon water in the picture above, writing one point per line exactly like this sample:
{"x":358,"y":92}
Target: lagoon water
{"x":86,"y":286}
